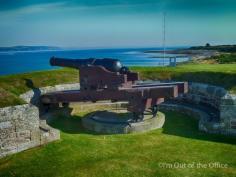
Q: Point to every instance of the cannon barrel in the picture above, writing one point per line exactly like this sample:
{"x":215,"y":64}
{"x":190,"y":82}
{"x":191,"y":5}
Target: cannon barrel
{"x":112,"y":65}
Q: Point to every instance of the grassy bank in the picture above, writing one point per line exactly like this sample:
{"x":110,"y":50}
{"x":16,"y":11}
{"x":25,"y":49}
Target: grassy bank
{"x":13,"y":85}
{"x":224,"y":58}
{"x":80,"y":153}
{"x":223,"y":75}
{"x":218,"y":74}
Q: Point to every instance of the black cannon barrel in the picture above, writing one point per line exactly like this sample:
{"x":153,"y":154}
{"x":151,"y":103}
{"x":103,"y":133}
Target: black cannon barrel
{"x":113,"y":65}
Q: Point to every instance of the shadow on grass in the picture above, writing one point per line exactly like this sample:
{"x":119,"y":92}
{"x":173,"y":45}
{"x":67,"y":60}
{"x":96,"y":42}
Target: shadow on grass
{"x":71,"y":124}
{"x":176,"y":124}
{"x":185,"y":126}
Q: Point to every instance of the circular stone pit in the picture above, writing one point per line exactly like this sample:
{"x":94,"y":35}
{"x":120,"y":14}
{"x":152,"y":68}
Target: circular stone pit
{"x":109,"y":122}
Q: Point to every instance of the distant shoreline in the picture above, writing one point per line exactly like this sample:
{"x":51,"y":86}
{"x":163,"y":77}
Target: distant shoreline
{"x":28,"y":48}
{"x":198,"y":52}
{"x":192,"y":54}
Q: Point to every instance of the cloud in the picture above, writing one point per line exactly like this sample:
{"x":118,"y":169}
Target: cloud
{"x":111,"y":21}
{"x":197,"y":7}
{"x":17,"y":4}
{"x":31,"y":9}
{"x":70,"y":7}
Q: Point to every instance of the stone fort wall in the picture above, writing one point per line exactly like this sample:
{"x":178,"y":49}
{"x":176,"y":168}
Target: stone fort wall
{"x":22,"y":127}
{"x":208,"y":96}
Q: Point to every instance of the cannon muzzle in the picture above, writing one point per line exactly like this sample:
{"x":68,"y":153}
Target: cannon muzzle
{"x":112,"y":65}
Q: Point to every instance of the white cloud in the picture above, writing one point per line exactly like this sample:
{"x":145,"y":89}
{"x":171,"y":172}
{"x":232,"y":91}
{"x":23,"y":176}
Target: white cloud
{"x":27,"y":10}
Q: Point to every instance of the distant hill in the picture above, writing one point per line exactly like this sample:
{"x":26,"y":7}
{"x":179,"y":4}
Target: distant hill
{"x":219,"y":48}
{"x":27,"y":48}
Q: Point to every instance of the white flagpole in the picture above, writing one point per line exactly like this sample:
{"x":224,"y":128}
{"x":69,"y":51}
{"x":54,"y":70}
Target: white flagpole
{"x":164,"y":37}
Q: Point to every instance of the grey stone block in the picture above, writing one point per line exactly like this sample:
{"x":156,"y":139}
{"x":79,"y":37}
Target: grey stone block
{"x":228,"y":111}
{"x":111,"y":123}
{"x":220,"y":92}
{"x":4,"y":125}
{"x":32,"y":96}
{"x":20,"y":129}
{"x":228,"y":99}
{"x":7,"y":134}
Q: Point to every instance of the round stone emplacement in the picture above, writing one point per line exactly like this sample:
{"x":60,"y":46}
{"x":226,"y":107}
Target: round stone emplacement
{"x":108,"y":122}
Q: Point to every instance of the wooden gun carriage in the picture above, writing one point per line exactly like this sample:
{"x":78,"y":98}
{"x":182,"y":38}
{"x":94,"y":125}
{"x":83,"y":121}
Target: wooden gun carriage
{"x":107,"y":79}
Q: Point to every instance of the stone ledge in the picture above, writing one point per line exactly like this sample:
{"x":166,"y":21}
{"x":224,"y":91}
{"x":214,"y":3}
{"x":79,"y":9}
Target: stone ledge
{"x":21,"y":129}
{"x":205,"y":124}
{"x":32,"y":96}
{"x":104,"y":122}
{"x":14,"y":122}
{"x":211,"y":96}
{"x":207,"y":90}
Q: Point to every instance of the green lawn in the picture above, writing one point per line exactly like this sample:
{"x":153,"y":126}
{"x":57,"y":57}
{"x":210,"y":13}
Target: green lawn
{"x":13,"y":85}
{"x":225,"y":58}
{"x":80,"y":153}
{"x":223,"y":75}
{"x":217,"y":74}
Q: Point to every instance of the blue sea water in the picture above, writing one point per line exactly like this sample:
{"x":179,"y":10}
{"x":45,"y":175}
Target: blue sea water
{"x":21,"y":62}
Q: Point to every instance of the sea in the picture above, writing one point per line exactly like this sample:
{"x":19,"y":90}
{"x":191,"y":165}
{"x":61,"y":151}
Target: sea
{"x":28,"y":61}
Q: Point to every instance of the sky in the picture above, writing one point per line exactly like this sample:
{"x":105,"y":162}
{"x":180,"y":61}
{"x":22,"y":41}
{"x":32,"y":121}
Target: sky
{"x":117,"y":23}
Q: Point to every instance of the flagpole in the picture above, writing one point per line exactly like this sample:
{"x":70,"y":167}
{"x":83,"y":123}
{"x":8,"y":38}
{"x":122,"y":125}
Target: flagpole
{"x":164,"y":37}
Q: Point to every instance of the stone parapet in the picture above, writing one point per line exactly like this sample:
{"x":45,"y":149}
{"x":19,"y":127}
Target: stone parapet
{"x":33,"y":95}
{"x":204,"y":124}
{"x":213,"y":97}
{"x":21,"y":129}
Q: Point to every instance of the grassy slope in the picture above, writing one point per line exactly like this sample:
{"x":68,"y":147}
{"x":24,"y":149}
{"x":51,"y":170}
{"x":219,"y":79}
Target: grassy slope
{"x":14,"y":85}
{"x":223,"y":58}
{"x":219,"y":74}
{"x":79,"y":153}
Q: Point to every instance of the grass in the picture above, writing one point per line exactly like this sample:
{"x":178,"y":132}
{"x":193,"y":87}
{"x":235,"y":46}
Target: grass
{"x":223,"y":75}
{"x":217,"y":74}
{"x":13,"y":85}
{"x":80,"y":153}
{"x":225,"y":58}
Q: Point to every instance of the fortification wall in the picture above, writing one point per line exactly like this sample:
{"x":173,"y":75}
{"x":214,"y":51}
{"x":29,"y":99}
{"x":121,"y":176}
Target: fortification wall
{"x":21,"y":129}
{"x":210,"y":96}
{"x":22,"y":126}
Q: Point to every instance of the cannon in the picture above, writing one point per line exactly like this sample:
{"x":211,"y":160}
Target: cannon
{"x":112,"y":65}
{"x":108,"y":79}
